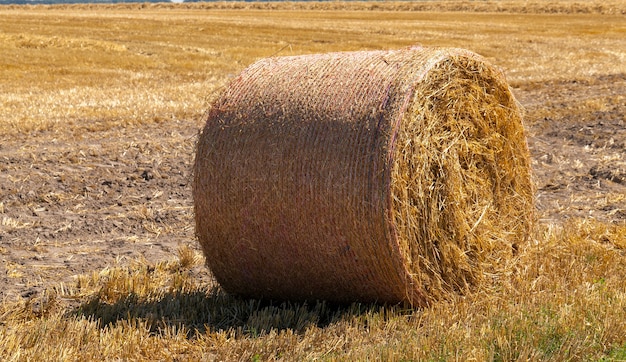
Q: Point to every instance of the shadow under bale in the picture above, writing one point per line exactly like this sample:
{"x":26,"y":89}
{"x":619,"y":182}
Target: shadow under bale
{"x":201,"y":311}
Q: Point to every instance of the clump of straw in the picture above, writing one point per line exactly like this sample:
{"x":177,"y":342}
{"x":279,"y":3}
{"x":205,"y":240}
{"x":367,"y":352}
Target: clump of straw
{"x":382,"y":176}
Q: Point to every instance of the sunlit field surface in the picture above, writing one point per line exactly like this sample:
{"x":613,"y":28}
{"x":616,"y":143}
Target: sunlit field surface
{"x":100,"y":108}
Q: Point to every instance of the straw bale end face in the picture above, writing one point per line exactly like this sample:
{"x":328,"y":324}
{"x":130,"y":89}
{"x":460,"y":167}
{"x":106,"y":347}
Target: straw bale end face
{"x":388,"y":176}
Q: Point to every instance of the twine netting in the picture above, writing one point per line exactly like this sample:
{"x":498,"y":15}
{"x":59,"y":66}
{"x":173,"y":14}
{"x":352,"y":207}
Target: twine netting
{"x":383,"y":176}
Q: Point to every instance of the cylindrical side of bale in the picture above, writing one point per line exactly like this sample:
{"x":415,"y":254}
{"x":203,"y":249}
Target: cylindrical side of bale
{"x":384,"y":176}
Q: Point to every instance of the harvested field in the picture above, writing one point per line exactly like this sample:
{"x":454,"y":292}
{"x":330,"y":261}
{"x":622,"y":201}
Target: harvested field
{"x":100,"y":109}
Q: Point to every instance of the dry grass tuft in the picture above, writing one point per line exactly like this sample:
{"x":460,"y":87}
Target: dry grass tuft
{"x":562,"y":298}
{"x":373,"y":176}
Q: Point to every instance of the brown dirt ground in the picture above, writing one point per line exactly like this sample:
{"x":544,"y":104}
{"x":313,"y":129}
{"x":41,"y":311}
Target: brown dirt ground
{"x":76,"y":202}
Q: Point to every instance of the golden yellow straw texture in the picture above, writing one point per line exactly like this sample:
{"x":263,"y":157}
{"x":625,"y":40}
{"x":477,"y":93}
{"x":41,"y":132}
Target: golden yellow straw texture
{"x":383,"y":176}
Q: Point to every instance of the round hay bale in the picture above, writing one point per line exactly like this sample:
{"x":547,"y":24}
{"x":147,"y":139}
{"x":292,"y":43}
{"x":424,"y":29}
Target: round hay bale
{"x":383,"y":176}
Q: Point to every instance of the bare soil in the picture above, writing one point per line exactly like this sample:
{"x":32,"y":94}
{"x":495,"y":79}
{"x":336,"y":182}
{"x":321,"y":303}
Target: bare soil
{"x":577,"y":139}
{"x":76,"y":201}
{"x":79,"y":202}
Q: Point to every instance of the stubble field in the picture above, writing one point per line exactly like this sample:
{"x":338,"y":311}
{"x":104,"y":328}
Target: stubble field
{"x":100,"y":108}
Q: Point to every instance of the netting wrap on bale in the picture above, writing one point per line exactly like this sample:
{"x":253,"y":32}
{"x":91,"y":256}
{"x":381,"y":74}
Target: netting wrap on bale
{"x":383,"y":176}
